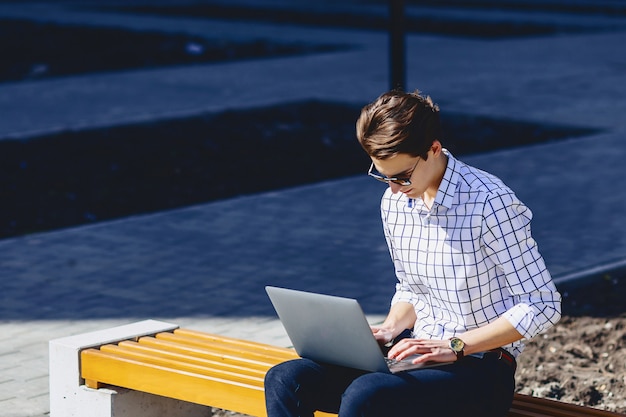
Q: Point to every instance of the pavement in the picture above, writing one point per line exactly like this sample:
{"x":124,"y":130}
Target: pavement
{"x":205,"y":266}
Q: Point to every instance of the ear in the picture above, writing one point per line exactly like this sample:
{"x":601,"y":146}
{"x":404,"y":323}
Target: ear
{"x":436,"y":148}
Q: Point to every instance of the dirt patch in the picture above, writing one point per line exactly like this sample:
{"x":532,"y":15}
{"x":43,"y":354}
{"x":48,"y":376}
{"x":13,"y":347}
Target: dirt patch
{"x":582,"y":360}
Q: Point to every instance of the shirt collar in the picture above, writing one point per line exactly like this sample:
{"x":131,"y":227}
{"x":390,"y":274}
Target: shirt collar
{"x":447,"y":188}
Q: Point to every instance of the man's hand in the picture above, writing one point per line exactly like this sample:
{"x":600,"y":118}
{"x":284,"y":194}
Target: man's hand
{"x":383,"y":336}
{"x":430,"y":350}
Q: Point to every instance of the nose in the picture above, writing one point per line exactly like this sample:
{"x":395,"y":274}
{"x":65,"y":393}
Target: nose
{"x":394,"y":187}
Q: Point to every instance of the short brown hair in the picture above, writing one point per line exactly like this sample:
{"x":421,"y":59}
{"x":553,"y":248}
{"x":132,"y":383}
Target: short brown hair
{"x":399,"y":122}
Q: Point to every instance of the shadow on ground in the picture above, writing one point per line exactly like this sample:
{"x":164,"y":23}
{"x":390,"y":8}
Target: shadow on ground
{"x":81,"y":177}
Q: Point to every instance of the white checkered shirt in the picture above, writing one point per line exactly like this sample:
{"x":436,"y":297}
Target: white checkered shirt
{"x":469,"y":259}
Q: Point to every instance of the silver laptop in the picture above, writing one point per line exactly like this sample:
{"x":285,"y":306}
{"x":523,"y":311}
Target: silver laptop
{"x":333,"y":330}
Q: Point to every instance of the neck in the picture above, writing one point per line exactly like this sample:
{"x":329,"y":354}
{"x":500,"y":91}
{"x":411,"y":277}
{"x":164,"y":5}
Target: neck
{"x":441,"y":163}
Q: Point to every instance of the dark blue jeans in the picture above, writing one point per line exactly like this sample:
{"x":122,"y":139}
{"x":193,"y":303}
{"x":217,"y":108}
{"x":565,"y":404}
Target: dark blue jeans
{"x":471,"y":387}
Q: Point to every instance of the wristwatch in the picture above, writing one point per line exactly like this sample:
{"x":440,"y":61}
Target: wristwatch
{"x":457,"y":346}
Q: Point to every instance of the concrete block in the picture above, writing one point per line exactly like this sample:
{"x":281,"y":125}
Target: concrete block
{"x":69,"y":397}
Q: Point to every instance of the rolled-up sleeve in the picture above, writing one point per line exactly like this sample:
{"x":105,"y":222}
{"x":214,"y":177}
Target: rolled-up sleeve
{"x":507,"y":239}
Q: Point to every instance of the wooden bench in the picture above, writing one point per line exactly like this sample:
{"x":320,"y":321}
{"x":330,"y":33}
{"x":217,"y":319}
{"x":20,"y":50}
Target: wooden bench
{"x":188,"y":365}
{"x":226,"y":373}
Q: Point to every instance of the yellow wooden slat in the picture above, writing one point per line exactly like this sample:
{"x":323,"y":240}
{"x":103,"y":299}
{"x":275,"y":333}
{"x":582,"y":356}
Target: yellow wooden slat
{"x":247,"y":350}
{"x":258,"y":362}
{"x":174,"y":364}
{"x":235,"y":342}
{"x":228,"y":343}
{"x":166,"y":353}
{"x":201,"y":389}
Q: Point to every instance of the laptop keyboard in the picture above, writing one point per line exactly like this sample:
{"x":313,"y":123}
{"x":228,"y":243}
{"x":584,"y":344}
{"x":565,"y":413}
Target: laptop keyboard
{"x":391,"y":362}
{"x":395,"y":365}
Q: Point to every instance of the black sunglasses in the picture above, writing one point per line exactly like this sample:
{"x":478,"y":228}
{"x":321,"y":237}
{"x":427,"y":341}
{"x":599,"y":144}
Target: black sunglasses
{"x":396,"y":180}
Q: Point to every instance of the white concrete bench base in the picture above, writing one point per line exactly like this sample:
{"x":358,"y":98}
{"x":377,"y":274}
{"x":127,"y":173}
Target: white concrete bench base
{"x":69,"y":397}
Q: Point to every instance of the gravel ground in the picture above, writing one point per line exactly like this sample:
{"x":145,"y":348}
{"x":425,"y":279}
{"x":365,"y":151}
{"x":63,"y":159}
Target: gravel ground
{"x":582,"y":360}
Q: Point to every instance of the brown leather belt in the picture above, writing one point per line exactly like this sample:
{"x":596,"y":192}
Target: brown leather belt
{"x":504,"y":356}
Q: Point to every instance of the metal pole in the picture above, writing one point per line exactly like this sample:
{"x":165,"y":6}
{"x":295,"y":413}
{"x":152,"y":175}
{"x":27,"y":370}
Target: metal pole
{"x":397,"y":45}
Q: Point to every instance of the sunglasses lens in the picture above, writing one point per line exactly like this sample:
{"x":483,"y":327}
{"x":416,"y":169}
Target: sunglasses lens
{"x":382,"y":178}
{"x":377,"y":177}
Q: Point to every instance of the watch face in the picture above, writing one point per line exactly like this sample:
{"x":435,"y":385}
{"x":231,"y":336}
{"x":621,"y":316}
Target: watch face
{"x":456,"y":344}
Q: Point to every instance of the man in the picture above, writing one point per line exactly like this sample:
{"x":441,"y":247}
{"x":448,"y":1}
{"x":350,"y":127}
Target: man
{"x":471,"y":283}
